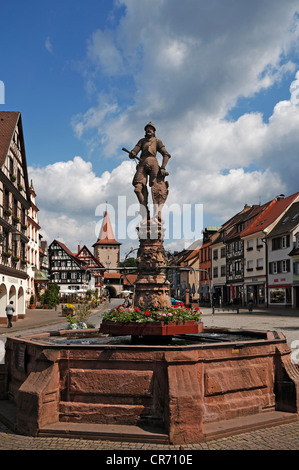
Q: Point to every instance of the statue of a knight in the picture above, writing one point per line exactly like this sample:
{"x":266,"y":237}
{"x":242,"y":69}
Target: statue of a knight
{"x":148,"y":169}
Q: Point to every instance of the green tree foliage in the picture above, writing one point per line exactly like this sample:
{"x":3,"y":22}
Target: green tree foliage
{"x":51,"y":296}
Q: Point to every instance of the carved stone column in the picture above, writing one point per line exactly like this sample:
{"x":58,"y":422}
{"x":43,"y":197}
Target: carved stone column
{"x":151,"y":286}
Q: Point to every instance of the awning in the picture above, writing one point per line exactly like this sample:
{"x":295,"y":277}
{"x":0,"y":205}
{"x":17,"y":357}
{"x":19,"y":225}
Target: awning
{"x":40,"y":277}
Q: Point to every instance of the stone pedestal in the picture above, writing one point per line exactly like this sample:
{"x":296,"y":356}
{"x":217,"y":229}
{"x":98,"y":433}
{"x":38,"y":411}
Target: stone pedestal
{"x":151,"y":285}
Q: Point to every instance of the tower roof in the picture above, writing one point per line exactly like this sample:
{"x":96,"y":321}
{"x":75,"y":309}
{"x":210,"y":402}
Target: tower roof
{"x":106,"y":236}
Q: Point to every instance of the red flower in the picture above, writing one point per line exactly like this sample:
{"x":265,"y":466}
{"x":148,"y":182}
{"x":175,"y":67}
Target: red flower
{"x":137,"y":309}
{"x":196,"y":308}
{"x":146,"y":313}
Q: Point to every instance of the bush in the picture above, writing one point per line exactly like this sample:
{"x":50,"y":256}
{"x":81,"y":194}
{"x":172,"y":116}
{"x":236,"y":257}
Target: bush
{"x":51,"y":296}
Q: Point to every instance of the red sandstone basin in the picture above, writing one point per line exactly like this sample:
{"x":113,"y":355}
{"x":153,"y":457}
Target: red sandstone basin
{"x":181,"y":387}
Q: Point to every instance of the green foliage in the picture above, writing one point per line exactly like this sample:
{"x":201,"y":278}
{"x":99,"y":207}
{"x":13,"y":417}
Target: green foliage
{"x":130,"y":262}
{"x":51,"y":296}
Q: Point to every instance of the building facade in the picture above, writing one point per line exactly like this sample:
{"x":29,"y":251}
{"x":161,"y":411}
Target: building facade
{"x":15,"y":203}
{"x":32,"y":248}
{"x":94,"y":268}
{"x":66,"y":270}
{"x":282,"y":260}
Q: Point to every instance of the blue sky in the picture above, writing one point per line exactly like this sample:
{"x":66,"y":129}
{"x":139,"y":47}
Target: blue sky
{"x":213,"y":76}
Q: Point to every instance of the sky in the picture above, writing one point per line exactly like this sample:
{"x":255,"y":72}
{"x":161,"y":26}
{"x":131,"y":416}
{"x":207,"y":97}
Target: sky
{"x":219,"y":79}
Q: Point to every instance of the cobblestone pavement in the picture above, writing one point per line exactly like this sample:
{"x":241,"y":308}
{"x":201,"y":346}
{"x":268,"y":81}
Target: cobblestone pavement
{"x":281,"y":437}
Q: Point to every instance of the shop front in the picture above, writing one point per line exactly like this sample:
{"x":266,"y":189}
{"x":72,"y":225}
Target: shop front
{"x":255,"y":291}
{"x":280,"y":295}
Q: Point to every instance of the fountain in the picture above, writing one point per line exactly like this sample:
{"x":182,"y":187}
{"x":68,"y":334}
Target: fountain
{"x":151,"y":381}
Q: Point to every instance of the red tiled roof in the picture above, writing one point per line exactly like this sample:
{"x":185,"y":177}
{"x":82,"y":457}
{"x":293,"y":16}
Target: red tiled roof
{"x":106,"y":236}
{"x":271,"y":213}
{"x":8,"y":121}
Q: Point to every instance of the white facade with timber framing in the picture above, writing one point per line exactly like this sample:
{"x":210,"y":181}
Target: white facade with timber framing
{"x":14,"y":206}
{"x":93,"y":267}
{"x":66,"y":270}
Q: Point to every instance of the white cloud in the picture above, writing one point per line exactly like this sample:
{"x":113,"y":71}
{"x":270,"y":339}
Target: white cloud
{"x":189,"y":62}
{"x":48,"y":45}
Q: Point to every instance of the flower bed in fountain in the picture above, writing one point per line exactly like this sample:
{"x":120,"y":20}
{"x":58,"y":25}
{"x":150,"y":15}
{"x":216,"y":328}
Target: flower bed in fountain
{"x":142,"y":322}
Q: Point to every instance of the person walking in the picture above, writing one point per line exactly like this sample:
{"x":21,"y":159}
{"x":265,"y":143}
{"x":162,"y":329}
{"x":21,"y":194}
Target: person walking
{"x":9,"y":313}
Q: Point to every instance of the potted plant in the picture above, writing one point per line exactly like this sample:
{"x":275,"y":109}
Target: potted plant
{"x":16,"y":220}
{"x":13,"y":178}
{"x":31,"y":302}
{"x":7,"y":212}
{"x":16,"y":259}
{"x":7,"y":254}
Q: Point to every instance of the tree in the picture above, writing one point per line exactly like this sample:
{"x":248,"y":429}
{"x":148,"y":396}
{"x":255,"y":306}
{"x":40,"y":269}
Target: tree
{"x":51,"y":296}
{"x":129,"y":262}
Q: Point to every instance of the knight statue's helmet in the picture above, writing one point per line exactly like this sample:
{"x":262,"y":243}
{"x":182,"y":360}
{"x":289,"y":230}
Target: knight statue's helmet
{"x":151,"y":125}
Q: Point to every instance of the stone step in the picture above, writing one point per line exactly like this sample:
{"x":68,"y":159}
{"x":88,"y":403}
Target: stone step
{"x":248,"y":423}
{"x":110,"y":432}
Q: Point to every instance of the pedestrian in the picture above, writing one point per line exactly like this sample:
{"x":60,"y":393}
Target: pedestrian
{"x":9,"y":313}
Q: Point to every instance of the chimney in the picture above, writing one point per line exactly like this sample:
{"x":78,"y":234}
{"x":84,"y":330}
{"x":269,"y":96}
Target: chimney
{"x":280,"y":197}
{"x":78,"y":248}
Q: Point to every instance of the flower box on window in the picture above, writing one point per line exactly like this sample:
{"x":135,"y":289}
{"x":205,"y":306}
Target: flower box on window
{"x":7,"y":254}
{"x":7,"y":212}
{"x":16,"y":220}
{"x":16,"y":259}
{"x":13,"y":178}
{"x":20,"y":187}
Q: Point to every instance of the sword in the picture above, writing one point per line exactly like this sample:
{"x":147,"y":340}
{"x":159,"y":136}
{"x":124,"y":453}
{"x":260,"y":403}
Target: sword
{"x":128,"y":151}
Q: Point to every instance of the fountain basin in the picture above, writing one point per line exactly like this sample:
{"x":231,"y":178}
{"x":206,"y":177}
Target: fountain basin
{"x":81,"y":376}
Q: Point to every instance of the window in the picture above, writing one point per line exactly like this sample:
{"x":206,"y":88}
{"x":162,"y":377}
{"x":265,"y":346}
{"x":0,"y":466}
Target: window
{"x":215,"y":254}
{"x":249,"y":245}
{"x":277,"y":267}
{"x":280,"y":295}
{"x":259,"y":242}
{"x":238,"y":267}
{"x":279,"y":243}
{"x":223,"y":252}
{"x":6,"y":199}
{"x":259,"y":263}
{"x":250,"y":265}
{"x":215,"y":272}
{"x":222,"y":270}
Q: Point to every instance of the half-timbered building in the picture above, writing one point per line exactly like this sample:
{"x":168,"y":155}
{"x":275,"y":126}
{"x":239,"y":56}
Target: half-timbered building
{"x":14,"y":206}
{"x":67,"y":270}
{"x":93,"y":267}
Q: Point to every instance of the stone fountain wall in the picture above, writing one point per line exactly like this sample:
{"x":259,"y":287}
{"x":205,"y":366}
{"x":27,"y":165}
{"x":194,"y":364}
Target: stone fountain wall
{"x":179,"y":388}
